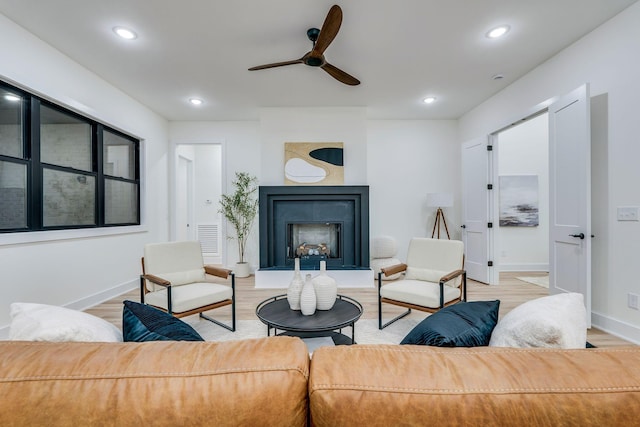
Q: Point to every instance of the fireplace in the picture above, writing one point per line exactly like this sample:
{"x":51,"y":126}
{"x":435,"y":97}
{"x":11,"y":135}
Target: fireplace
{"x":314,"y":223}
{"x":313,"y":242}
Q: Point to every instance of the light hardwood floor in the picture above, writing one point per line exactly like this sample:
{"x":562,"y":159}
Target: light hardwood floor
{"x":511,"y":292}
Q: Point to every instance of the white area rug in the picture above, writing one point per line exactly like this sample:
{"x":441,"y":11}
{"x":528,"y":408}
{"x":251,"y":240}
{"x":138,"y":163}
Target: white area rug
{"x":540,"y":281}
{"x":367,"y":331}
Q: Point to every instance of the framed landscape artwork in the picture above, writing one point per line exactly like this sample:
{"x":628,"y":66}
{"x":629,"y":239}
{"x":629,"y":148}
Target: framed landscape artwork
{"x":313,"y":163}
{"x":519,"y":201}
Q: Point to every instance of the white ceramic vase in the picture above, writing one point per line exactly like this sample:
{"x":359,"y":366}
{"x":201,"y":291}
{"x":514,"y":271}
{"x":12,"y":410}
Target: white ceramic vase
{"x":326,"y":288}
{"x":295,"y":287}
{"x":308,"y":297}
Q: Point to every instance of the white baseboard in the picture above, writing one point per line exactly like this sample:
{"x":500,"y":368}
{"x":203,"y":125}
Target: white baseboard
{"x":88,"y":302}
{"x":523,"y":267}
{"x":616,"y":327}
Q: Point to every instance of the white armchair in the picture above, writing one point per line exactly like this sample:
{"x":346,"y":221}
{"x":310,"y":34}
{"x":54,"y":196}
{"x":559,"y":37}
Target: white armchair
{"x":434,"y":277}
{"x":174,"y":279}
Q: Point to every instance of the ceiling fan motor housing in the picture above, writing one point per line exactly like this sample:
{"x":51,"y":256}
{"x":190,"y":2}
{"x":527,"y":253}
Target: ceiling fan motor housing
{"x":313,"y":33}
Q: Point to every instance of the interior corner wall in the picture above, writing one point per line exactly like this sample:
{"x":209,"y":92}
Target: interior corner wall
{"x":406,"y":159}
{"x":524,"y":150}
{"x":607,"y":59}
{"x":89,"y":268}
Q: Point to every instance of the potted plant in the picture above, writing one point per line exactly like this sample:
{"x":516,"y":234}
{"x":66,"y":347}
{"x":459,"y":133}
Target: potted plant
{"x":240,"y":209}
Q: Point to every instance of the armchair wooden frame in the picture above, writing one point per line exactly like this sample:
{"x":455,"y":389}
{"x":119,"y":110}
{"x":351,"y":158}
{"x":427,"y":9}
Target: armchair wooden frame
{"x":399,"y":268}
{"x":211,"y":270}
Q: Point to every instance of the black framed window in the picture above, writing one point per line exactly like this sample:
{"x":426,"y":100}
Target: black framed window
{"x":60,"y":170}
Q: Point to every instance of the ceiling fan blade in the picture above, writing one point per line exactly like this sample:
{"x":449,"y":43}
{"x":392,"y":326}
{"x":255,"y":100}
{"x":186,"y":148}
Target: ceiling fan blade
{"x":340,"y":75}
{"x":329,"y":30}
{"x":276,"y":64}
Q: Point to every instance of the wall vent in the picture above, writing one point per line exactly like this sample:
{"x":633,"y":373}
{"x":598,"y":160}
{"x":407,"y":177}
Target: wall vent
{"x":209,"y":237}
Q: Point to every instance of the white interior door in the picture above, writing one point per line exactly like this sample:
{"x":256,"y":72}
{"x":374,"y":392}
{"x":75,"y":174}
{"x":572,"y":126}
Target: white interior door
{"x":570,"y":195}
{"x":475,"y":209}
{"x":184,"y":190}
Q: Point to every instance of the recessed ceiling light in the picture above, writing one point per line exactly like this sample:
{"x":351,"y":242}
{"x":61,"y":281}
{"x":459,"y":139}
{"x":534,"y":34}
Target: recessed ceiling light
{"x":498,"y":31}
{"x":125,"y":33}
{"x":12,"y":98}
{"x":195,"y":101}
{"x":497,"y":77}
{"x":429,"y":100}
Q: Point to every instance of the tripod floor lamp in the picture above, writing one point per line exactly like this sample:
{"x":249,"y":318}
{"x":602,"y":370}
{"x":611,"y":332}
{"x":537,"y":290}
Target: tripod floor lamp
{"x":439,"y":200}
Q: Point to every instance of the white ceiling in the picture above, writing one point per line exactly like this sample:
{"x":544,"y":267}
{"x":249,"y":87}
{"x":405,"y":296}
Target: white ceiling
{"x":400,"y":50}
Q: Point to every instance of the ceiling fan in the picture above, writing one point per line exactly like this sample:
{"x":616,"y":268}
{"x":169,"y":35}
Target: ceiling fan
{"x":321,"y":39}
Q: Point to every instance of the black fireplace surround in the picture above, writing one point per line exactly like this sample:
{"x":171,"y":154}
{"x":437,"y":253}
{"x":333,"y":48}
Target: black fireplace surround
{"x":314,"y":223}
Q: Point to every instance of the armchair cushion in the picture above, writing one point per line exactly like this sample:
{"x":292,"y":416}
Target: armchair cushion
{"x":185,"y":277}
{"x":188,"y":297}
{"x":466,"y":324}
{"x":425,"y":274}
{"x":141,"y":322}
{"x":178,"y":262}
{"x":418,"y":292}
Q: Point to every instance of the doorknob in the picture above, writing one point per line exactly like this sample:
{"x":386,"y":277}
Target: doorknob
{"x":581,"y":235}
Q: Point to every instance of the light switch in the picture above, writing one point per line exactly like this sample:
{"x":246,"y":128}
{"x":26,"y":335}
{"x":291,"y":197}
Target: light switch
{"x":627,"y":213}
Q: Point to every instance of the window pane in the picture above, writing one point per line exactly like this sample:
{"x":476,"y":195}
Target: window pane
{"x":121,"y":202}
{"x":119,"y":156}
{"x":68,"y":199}
{"x":13,"y":195}
{"x":64,"y":140}
{"x":10,"y":123}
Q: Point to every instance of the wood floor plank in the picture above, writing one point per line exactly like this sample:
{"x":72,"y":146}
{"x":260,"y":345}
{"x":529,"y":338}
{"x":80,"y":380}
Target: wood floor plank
{"x":511,"y":292}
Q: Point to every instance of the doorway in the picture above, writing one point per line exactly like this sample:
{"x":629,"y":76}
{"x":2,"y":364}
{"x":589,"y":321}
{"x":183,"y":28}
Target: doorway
{"x":522,"y":183}
{"x":197,"y":190}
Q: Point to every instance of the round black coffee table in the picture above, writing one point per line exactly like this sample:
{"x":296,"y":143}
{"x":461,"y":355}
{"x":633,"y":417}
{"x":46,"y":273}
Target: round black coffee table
{"x":276,"y":314}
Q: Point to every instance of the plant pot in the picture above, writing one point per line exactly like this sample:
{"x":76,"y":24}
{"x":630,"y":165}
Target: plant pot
{"x":242,"y":269}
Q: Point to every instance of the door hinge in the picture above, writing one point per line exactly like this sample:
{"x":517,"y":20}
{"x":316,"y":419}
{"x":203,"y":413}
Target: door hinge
{"x":490,"y":263}
{"x":489,"y":147}
{"x":489,"y":186}
{"x":489,"y":225}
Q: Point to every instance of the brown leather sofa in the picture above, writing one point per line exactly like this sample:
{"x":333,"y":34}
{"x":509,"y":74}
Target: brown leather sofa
{"x":271,"y":382}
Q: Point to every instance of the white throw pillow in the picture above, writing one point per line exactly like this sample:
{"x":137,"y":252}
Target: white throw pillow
{"x":556,"y":321}
{"x":40,"y":322}
{"x":383,"y":247}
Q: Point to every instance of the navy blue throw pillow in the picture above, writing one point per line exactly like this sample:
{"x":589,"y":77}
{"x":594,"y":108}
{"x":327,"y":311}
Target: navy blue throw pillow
{"x":466,"y":324}
{"x":141,"y":322}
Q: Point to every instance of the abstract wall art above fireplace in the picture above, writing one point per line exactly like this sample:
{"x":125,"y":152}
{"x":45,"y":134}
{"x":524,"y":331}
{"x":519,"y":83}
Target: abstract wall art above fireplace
{"x":313,"y":163}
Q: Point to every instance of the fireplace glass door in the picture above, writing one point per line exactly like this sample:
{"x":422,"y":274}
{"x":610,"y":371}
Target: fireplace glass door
{"x":313,"y":242}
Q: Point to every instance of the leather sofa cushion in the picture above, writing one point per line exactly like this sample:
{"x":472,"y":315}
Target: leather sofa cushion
{"x":162,"y":383}
{"x":382,"y":385}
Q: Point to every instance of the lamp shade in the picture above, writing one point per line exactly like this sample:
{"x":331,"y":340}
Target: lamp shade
{"x":439,"y":200}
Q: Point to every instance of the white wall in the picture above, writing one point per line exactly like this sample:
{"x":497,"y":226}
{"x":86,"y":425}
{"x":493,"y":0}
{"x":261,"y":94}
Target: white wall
{"x":606,"y":58}
{"x":93,"y":265}
{"x":346,"y":125}
{"x":524,"y":150}
{"x":406,"y":159}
